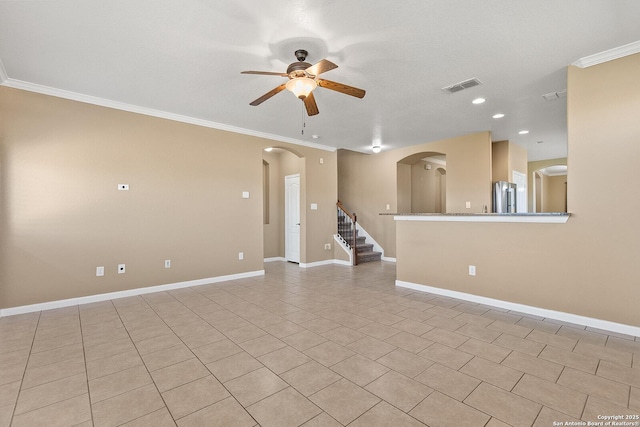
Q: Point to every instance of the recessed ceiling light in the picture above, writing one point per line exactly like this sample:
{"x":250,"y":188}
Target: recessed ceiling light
{"x":314,"y":136}
{"x":376,"y":148}
{"x":268,"y":149}
{"x":498,"y":116}
{"x":523,"y":132}
{"x":478,"y":101}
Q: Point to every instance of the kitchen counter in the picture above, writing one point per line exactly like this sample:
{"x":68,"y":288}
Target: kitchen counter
{"x":547,"y":217}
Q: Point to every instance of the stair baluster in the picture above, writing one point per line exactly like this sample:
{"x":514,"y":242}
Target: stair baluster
{"x":347,"y":229}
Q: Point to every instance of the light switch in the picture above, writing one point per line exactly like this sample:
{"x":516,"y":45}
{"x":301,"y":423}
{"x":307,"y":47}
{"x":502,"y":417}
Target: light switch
{"x":321,"y":161}
{"x":245,"y":194}
{"x":468,"y":205}
{"x":314,"y":206}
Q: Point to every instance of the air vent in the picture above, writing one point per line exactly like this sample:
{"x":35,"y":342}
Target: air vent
{"x":462,"y":85}
{"x":552,"y":96}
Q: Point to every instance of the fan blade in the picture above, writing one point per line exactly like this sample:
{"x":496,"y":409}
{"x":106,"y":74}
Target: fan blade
{"x":321,"y":67}
{"x":268,"y":95}
{"x":310,"y":103}
{"x":342,"y":88}
{"x":265,"y":73}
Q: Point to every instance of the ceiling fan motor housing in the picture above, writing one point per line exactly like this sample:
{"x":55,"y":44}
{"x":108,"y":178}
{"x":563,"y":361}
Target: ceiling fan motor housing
{"x":297,"y":69}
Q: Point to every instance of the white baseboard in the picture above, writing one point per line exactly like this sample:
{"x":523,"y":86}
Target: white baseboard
{"x":311,"y":264}
{"x":123,"y":294}
{"x":537,"y":311}
{"x":317,"y":263}
{"x":389,"y":259}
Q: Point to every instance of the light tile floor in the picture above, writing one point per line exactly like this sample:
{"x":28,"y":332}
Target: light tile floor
{"x":324,"y":346}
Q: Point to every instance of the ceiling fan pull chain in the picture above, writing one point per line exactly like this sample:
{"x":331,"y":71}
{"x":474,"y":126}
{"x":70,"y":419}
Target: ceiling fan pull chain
{"x":304,"y":124}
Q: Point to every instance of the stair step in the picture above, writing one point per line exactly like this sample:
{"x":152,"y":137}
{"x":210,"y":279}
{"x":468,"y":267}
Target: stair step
{"x":364,"y":248}
{"x":369,"y":256}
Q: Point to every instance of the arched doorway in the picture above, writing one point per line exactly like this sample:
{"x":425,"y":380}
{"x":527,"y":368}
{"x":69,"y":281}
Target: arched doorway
{"x":278,"y":163}
{"x":422,"y":184}
{"x":550,"y":189}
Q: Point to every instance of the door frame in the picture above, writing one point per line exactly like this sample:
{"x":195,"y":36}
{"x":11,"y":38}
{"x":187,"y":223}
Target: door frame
{"x":288,"y":254}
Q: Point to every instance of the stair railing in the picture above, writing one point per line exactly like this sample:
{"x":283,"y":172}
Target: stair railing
{"x":347,"y":229}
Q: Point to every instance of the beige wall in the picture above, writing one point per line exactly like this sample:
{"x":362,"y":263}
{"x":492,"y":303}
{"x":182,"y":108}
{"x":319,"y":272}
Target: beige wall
{"x":586,"y":266}
{"x":368,"y":182}
{"x":554,"y":193}
{"x":500,"y":161}
{"x":426,"y":187}
{"x":518,"y":159}
{"x":62,"y":215}
{"x":507,"y":157}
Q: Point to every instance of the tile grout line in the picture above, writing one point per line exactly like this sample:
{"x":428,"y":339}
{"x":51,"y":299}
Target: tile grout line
{"x":142,"y":360}
{"x":24,"y":371}
{"x":86,"y":370}
{"x":195,"y":356}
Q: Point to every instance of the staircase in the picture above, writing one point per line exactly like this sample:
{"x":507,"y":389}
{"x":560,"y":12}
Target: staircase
{"x":346,"y":228}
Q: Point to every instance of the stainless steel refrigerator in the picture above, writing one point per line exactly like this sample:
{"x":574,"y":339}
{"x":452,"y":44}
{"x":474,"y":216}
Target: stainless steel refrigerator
{"x":504,"y":197}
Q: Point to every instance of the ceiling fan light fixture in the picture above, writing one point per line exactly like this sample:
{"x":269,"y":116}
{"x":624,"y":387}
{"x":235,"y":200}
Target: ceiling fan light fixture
{"x":301,"y":86}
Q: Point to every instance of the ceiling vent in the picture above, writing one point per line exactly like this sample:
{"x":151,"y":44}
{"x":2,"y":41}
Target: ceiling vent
{"x":462,"y":85}
{"x":552,"y":96}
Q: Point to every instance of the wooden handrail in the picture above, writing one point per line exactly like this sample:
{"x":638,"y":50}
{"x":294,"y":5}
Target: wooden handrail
{"x":346,"y":212}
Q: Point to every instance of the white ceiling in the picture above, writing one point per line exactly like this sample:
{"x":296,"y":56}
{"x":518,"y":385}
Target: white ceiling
{"x":182,"y":59}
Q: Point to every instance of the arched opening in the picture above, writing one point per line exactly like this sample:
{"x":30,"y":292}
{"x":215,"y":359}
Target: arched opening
{"x":278,"y":163}
{"x":422,"y":184}
{"x":550,"y":189}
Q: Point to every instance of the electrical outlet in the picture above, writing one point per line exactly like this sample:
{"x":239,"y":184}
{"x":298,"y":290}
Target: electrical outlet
{"x":468,"y":205}
{"x":327,"y":246}
{"x":240,"y":256}
{"x":472,"y":270}
{"x":167,"y":263}
{"x":121,"y":269}
{"x":100,"y":271}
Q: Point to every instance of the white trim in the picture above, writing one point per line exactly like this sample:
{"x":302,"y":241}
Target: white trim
{"x":537,"y":311}
{"x":388,"y":259}
{"x":317,"y":263}
{"x":273,"y":259}
{"x":532,"y":218}
{"x":88,"y":99}
{"x":342,"y":262}
{"x":123,"y":294}
{"x":608,"y":55}
{"x":376,"y":245}
{"x":344,"y":247}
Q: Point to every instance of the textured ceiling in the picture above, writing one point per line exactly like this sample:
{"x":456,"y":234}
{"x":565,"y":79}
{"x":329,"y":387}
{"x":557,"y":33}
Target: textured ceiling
{"x":184,"y":58}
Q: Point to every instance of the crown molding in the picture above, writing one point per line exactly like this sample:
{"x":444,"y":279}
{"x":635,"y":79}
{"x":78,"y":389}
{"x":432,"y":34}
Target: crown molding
{"x":608,"y":55}
{"x":94,"y":100}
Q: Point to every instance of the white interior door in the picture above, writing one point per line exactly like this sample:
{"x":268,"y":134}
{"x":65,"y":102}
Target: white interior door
{"x":520,"y":180}
{"x":292,"y":218}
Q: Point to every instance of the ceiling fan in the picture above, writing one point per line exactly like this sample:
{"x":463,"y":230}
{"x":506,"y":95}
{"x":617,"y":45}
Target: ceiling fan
{"x":303,"y":79}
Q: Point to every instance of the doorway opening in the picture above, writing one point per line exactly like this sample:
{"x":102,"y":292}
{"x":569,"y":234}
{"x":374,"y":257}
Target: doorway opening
{"x":278,"y":163}
{"x":550,"y":189}
{"x":422,"y":183}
